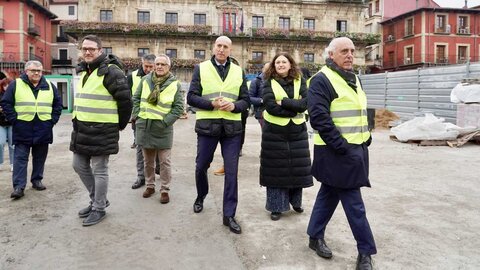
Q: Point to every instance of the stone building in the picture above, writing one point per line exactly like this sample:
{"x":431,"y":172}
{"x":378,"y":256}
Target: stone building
{"x":185,"y":30}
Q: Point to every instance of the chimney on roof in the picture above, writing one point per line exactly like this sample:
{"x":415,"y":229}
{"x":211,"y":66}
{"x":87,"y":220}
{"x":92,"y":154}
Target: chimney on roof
{"x":466,"y":4}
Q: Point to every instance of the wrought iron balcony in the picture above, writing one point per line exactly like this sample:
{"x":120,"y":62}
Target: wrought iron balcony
{"x":62,"y":38}
{"x":73,"y":27}
{"x":33,"y":30}
{"x":61,"y":62}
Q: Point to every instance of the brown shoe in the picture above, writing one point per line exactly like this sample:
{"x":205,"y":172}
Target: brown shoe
{"x":148,"y":192}
{"x":164,"y":198}
{"x":220,"y":171}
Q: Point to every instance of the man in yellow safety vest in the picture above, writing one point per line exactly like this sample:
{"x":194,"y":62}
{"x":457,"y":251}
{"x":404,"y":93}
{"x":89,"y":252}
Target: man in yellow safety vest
{"x":33,"y":106}
{"x":337,"y":106}
{"x":102,"y":107}
{"x":219,"y":90}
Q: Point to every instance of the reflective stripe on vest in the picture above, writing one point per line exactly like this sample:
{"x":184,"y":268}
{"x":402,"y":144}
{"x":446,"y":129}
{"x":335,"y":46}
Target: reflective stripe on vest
{"x":280,"y":93}
{"x":348,"y":110}
{"x":135,"y":81}
{"x":93,"y":102}
{"x":26,"y":105}
{"x":164,"y":104}
{"x":213,"y":87}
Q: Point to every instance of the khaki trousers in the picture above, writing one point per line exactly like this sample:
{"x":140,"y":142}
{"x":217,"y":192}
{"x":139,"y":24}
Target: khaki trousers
{"x":164,"y":156}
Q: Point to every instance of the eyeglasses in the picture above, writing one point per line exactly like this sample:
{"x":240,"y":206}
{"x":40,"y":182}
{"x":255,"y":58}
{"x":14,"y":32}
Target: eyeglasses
{"x":90,"y":50}
{"x":35,"y":70}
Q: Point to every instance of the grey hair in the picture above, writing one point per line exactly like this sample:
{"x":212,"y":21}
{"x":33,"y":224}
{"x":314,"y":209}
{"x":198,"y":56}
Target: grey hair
{"x":33,"y":63}
{"x":166,"y":57}
{"x":332,"y":46}
{"x":149,"y":57}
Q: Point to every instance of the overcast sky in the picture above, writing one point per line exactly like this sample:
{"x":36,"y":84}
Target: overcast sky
{"x":457,"y":3}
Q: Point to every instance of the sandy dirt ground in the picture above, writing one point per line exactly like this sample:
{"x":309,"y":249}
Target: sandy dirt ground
{"x":423,"y":210}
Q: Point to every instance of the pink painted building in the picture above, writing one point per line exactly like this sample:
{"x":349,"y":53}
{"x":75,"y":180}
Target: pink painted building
{"x":25,"y":34}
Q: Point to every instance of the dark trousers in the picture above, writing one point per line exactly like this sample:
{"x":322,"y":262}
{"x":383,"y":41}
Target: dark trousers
{"x":325,"y":205}
{"x":244,"y":124}
{"x":20,"y":163}
{"x":206,"y":146}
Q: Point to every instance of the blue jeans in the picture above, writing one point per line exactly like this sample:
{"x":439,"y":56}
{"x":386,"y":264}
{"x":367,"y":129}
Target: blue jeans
{"x":20,"y":164}
{"x":6,"y":135}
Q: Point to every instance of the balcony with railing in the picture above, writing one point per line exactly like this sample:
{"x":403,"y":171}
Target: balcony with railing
{"x":443,"y":29}
{"x":206,"y":30}
{"x":62,"y":62}
{"x":430,"y":60}
{"x":463,"y":30}
{"x":62,"y":38}
{"x":33,"y":29}
{"x":13,"y":57}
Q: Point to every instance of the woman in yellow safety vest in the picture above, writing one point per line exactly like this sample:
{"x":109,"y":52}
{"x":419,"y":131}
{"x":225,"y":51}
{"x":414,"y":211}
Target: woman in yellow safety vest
{"x":285,"y":155}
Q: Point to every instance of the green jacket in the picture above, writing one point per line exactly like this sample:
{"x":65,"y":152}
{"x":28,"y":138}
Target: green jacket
{"x":156,"y":134}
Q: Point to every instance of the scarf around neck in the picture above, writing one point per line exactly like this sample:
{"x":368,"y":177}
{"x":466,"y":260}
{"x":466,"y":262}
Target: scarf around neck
{"x":157,"y":83}
{"x":347,"y":75}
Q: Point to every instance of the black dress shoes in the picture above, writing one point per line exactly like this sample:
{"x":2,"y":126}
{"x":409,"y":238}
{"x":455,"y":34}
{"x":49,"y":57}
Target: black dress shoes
{"x":17,"y":193}
{"x":321,"y":248}
{"x":298,"y":209}
{"x":138,"y":184}
{"x":198,"y":205}
{"x":364,"y":262}
{"x":232,"y":224}
{"x":38,"y":185}
{"x":275,"y":215}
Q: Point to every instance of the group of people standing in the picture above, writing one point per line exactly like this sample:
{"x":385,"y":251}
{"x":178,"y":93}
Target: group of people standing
{"x":218,"y":90}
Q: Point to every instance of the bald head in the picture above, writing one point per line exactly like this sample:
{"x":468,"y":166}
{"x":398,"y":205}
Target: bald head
{"x":341,"y":50}
{"x":222,"y":49}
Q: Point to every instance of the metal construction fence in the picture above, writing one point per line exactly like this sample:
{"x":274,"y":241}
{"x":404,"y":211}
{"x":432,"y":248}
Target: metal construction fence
{"x":408,"y":93}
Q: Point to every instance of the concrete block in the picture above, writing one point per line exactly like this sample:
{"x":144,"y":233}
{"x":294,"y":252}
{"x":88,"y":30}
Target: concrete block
{"x":468,"y":115}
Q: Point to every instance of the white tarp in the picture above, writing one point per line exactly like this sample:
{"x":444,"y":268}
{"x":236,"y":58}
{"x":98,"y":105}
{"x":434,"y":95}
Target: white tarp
{"x":428,"y":127}
{"x":465,"y":93}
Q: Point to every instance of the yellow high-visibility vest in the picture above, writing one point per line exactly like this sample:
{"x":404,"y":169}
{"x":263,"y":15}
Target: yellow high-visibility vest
{"x":135,"y":81}
{"x":93,"y":102}
{"x":280,"y":94}
{"x":26,"y":105}
{"x":213,"y":87}
{"x":348,"y":110}
{"x":164,"y":104}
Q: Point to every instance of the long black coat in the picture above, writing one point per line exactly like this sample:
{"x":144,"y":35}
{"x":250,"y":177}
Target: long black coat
{"x":285,"y":155}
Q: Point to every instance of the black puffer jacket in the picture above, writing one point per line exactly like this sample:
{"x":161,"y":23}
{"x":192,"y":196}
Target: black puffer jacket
{"x":3,"y":119}
{"x":285,"y":155}
{"x":95,"y":139}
